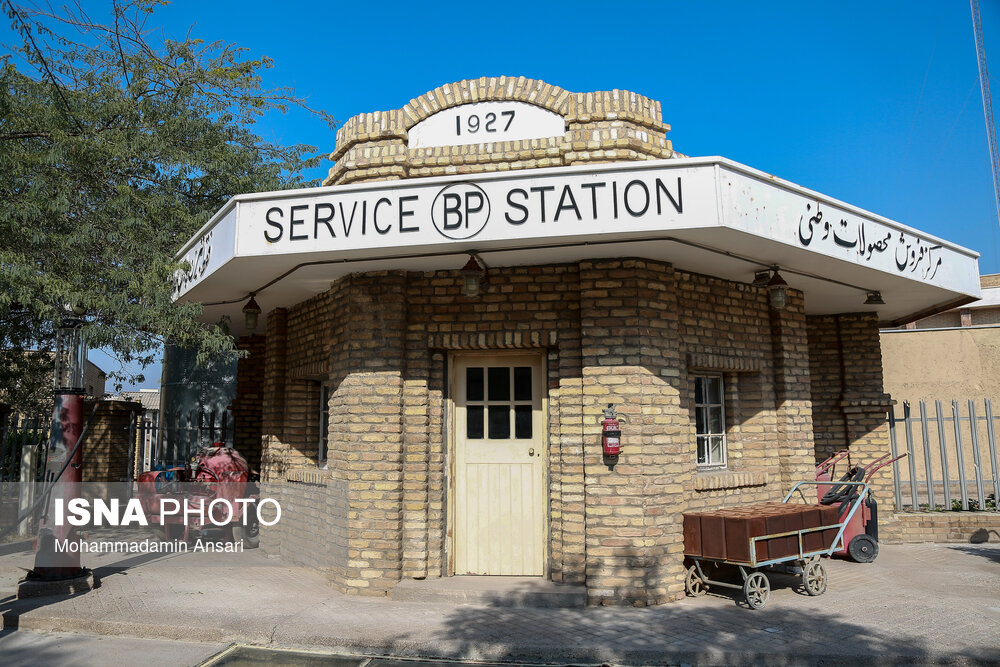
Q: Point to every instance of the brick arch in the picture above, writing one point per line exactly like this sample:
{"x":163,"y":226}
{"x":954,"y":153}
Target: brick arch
{"x":486,"y":89}
{"x":603,"y":126}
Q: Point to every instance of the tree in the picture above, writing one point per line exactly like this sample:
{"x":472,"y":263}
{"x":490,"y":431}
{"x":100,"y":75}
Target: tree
{"x":115,"y":147}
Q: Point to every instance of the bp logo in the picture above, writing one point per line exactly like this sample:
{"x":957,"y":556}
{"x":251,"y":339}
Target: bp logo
{"x":460,"y":211}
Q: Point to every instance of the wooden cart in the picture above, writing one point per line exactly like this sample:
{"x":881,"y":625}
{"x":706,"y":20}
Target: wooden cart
{"x":783,"y":537}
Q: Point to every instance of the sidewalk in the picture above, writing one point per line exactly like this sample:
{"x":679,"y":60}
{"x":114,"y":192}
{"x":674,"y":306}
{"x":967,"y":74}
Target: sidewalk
{"x":917,"y":603}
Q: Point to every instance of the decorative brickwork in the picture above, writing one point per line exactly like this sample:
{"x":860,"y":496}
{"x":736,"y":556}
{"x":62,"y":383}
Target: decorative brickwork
{"x":610,"y":126}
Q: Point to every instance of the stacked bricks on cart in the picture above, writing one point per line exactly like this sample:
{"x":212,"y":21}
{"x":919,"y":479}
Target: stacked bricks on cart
{"x":726,"y":534}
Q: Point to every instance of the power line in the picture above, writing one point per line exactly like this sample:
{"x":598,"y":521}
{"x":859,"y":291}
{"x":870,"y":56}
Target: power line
{"x":984,"y":85}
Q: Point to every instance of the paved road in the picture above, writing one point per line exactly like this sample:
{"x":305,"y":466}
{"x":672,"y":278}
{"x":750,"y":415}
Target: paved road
{"x":916,"y":603}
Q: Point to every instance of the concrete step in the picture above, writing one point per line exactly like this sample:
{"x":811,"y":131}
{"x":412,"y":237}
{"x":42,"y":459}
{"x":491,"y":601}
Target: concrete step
{"x":492,"y":592}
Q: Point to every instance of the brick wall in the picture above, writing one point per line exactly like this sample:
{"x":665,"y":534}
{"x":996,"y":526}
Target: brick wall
{"x":630,"y":332}
{"x":910,"y":527}
{"x":107,"y":445}
{"x":849,"y":404}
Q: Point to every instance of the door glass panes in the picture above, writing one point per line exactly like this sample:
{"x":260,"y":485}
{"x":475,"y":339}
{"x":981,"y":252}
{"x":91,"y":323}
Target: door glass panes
{"x":504,"y":410}
{"x":522,"y":383}
{"x":474,"y":384}
{"x":499,"y":422}
{"x":499,"y":378}
{"x":522,"y":421}
{"x":474,"y":422}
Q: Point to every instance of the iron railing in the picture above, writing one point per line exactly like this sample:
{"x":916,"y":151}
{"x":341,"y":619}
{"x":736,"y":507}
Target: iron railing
{"x":17,"y":433}
{"x":946,"y":466}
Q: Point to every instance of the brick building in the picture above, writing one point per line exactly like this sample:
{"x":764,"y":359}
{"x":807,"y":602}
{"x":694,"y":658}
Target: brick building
{"x":490,"y":266}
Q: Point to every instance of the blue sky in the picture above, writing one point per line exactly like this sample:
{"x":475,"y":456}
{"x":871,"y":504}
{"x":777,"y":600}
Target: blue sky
{"x":877,"y":104}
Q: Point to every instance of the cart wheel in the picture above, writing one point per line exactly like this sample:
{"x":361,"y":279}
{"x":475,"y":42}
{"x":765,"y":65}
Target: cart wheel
{"x":694,"y":584}
{"x":863,"y":548}
{"x":756,"y":590}
{"x":814,"y":578}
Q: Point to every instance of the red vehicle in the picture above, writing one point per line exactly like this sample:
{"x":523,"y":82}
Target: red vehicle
{"x":861,"y":532}
{"x":214,"y":491}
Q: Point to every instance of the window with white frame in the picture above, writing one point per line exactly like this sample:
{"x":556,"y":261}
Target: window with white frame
{"x":710,"y":420}
{"x":324,"y":423}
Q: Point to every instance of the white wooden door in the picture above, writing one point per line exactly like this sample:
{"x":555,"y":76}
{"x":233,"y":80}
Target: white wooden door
{"x":499,"y":446}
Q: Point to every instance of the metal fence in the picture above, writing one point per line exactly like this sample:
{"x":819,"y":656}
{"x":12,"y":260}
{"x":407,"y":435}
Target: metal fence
{"x":947,"y":466}
{"x":172,"y":439}
{"x":22,"y":438}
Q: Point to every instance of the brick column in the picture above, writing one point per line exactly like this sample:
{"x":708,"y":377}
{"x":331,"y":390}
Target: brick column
{"x":631,"y":357}
{"x":793,"y":393}
{"x":864,"y":402}
{"x":416,"y":457}
{"x":248,"y":406}
{"x":273,"y":413}
{"x":366,"y":430}
{"x":849,"y":401}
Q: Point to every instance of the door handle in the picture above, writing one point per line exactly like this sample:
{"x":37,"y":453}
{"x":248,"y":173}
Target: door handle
{"x":531,"y":452}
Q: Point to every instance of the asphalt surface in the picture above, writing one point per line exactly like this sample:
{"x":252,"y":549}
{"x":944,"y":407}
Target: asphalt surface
{"x":916,"y":604}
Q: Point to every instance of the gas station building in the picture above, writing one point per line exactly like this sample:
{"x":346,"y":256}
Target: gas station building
{"x":488,"y":268}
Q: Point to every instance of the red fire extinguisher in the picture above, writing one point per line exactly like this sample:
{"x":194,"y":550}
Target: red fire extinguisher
{"x":611,"y":431}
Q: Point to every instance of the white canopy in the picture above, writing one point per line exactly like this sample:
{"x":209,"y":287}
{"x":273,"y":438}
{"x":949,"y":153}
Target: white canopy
{"x":707,"y":215}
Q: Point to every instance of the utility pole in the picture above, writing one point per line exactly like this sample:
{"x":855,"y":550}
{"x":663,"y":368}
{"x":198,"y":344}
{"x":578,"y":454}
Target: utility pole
{"x":984,"y":86}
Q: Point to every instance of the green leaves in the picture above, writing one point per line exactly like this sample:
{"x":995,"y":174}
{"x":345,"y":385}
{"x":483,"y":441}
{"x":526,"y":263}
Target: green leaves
{"x":114,"y":150}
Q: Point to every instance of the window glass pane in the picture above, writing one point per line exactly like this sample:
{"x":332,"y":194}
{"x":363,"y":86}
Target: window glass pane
{"x":522,"y":383}
{"x":715,"y":420}
{"x":474,"y":422}
{"x":499,"y":421}
{"x":499,"y":383}
{"x":715,"y":455}
{"x":473,"y":384}
{"x":699,"y":390}
{"x":522,"y":421}
{"x":701,"y":420}
{"x":702,"y":450}
{"x":715,"y":390}
{"x":324,"y":421}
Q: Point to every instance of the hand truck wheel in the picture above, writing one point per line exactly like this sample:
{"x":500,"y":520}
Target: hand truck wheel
{"x":756,"y":590}
{"x":863,"y":548}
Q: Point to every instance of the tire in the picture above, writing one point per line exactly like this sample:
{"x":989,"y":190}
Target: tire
{"x":841,"y":492}
{"x":756,"y":590}
{"x":863,"y":549}
{"x":249,"y":534}
{"x":814,"y":578}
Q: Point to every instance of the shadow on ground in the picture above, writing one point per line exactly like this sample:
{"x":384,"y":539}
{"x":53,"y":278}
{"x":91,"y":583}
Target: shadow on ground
{"x":989,"y":553}
{"x":727,"y":633}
